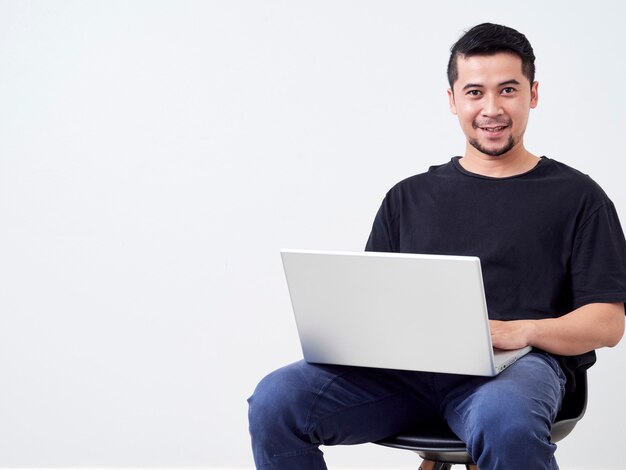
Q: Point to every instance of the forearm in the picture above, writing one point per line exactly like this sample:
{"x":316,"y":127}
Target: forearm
{"x":590,"y":327}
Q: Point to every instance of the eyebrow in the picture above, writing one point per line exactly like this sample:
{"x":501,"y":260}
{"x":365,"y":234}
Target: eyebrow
{"x":478,"y":85}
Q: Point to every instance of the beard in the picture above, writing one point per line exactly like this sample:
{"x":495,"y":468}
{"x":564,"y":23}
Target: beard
{"x":493,"y":152}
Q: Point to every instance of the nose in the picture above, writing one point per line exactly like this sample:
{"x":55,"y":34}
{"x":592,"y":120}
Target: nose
{"x":492,"y":105}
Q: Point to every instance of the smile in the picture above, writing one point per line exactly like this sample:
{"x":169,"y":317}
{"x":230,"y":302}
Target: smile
{"x":494,"y":129}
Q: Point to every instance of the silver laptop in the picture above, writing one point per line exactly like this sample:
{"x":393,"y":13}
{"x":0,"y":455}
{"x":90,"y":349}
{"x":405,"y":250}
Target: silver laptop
{"x":393,"y":311}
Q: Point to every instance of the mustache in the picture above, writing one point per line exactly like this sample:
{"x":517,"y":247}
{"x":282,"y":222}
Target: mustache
{"x":492,"y":123}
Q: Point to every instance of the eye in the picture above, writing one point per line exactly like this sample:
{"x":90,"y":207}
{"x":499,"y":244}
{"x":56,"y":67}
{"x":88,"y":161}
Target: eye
{"x":508,"y":90}
{"x":473,"y":93}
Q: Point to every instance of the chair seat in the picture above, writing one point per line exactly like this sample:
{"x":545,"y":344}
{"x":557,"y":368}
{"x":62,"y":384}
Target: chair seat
{"x":438,"y":438}
{"x":437,"y":443}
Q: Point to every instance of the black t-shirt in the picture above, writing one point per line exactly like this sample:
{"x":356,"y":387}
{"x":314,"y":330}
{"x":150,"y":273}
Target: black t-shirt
{"x":549,"y":240}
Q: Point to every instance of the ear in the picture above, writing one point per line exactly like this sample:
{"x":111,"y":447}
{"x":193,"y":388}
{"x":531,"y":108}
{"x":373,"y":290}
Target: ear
{"x":451,"y":101}
{"x":534,"y":95}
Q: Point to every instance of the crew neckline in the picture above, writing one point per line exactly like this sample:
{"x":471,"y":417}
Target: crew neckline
{"x":459,"y":167}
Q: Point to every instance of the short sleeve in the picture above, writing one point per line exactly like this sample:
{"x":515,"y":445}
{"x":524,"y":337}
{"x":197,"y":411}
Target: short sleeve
{"x":383,"y":237}
{"x":599,"y":259}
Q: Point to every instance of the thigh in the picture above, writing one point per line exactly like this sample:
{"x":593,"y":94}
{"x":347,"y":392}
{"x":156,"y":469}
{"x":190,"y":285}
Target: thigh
{"x":522,"y":402}
{"x":534,"y":381}
{"x":345,"y":405}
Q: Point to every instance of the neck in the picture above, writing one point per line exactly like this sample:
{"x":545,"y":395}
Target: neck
{"x":516,"y":161}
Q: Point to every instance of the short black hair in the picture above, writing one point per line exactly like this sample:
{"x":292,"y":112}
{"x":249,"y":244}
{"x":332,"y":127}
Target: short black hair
{"x":489,"y":39}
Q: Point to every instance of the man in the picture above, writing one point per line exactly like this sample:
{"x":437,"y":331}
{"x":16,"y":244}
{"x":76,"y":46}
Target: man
{"x":553,"y":256}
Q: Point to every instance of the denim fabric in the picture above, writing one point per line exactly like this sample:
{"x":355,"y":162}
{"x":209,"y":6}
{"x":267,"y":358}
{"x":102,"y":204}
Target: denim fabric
{"x":504,"y":420}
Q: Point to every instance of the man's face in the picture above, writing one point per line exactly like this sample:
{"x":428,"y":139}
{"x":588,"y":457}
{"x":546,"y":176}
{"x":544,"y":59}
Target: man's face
{"x":492,"y":99}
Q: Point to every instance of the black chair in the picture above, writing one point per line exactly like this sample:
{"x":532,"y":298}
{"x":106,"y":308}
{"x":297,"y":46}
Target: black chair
{"x":440,"y":448}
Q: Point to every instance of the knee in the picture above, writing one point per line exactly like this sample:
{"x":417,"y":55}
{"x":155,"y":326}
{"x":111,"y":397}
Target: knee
{"x":264,"y":406}
{"x":502,"y":429}
{"x":275,"y":403}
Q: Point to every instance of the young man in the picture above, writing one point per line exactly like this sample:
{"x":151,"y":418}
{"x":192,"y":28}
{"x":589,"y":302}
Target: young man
{"x":553,"y":257}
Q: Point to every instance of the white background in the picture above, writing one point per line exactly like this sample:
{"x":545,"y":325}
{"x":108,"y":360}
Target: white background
{"x":156,"y":155}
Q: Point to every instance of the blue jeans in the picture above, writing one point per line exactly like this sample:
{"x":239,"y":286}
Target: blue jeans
{"x":505,"y":420}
